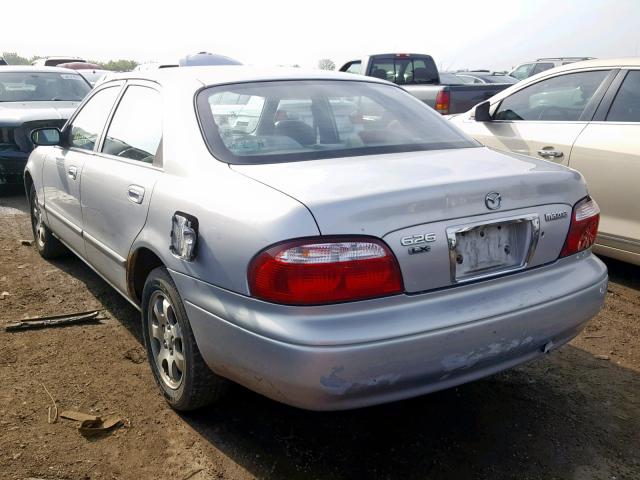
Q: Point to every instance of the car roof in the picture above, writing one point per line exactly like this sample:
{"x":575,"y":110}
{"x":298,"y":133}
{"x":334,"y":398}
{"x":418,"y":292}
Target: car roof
{"x":601,"y":62}
{"x":222,"y":74}
{"x":35,"y":69}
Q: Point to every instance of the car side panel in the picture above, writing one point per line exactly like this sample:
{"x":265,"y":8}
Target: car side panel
{"x":608,"y":155}
{"x":111,"y":219}
{"x":527,"y":137}
{"x":238,"y":217}
{"x":62,"y":175}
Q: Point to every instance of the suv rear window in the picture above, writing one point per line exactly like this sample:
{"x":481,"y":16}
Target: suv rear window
{"x":283,"y":121}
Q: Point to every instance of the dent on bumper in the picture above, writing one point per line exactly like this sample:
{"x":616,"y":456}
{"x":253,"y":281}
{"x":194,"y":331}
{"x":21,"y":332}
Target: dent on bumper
{"x":351,"y":375}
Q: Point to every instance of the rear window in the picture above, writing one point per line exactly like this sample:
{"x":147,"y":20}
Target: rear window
{"x":404,"y":70}
{"x":285,"y":121}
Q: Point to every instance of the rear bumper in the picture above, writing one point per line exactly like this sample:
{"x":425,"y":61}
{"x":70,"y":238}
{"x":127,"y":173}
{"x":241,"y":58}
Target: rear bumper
{"x":476,"y":342}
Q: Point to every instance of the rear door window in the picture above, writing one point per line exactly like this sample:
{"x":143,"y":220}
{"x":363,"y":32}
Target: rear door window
{"x":89,"y":123}
{"x":626,"y":105}
{"x":561,"y":98}
{"x":136,"y":128}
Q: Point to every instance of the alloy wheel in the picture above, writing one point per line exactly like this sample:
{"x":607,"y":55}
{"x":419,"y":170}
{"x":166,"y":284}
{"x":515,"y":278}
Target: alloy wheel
{"x":166,"y":338}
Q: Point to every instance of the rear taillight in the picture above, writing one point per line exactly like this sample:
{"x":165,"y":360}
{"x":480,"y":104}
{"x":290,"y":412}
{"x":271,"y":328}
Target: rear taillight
{"x":324,"y":270}
{"x":442,"y":102}
{"x":583,"y":228}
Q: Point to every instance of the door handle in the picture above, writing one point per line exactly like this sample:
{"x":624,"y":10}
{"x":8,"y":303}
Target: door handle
{"x":72,"y":172}
{"x":135,"y":194}
{"x":549,"y":152}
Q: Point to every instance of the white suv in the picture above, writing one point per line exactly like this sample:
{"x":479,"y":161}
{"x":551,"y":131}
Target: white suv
{"x":526,"y":70}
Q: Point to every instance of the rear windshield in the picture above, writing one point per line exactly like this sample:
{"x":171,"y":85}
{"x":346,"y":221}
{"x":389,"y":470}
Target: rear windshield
{"x":284,"y":121}
{"x":42,"y":87}
{"x":404,"y":70}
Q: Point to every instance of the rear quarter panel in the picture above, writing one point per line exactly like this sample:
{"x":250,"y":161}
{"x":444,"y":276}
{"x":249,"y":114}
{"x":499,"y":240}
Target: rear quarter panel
{"x":237,"y":218}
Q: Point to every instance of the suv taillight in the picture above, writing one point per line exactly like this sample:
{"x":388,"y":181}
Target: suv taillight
{"x":442,"y":102}
{"x":583,"y":228}
{"x":324,"y":270}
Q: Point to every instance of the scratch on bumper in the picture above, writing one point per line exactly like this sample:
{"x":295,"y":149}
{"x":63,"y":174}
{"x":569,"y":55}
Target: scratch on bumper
{"x":340,"y":386}
{"x":457,"y":361}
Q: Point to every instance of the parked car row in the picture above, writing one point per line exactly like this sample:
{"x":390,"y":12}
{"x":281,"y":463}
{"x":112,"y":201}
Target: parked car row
{"x":475,"y":77}
{"x":418,"y":75}
{"x":526,"y":70}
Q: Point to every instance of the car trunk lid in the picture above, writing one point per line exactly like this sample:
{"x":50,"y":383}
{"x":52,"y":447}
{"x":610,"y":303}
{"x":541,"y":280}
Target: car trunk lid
{"x":441,"y":195}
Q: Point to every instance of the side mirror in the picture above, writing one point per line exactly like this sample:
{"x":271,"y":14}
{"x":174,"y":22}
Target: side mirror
{"x":481,"y":112}
{"x":46,"y":136}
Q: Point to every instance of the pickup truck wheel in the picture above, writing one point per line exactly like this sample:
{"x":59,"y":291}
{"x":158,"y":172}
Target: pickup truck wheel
{"x":47,"y":245}
{"x":177,"y":365}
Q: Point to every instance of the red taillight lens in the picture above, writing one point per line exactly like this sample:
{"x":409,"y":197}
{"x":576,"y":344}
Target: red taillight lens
{"x":320,"y":271}
{"x":442,"y":102}
{"x":584,"y":227}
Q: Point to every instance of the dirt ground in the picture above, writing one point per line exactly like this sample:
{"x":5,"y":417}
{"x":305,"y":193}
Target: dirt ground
{"x":575,"y":414}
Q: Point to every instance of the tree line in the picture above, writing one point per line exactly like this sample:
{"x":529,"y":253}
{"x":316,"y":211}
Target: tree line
{"x":122,"y":65}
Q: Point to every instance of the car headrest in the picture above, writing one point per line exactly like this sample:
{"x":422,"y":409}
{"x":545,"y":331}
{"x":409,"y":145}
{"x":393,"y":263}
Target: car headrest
{"x":297,"y":130}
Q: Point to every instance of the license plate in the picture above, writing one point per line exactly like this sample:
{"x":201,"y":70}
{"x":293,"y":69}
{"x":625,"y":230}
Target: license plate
{"x":480,"y":250}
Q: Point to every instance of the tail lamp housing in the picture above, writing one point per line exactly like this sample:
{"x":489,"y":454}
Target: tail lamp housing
{"x":442,"y":102}
{"x":323,"y":270}
{"x":584,"y":227}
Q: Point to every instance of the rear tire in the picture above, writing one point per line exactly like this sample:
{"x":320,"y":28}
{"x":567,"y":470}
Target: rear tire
{"x":46,"y":243}
{"x":178,"y":368}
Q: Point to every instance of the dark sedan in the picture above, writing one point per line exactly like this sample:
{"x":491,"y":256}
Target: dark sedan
{"x":33,"y":97}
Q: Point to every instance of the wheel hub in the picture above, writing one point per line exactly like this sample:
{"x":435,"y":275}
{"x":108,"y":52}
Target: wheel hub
{"x":38,"y":223}
{"x":165,"y":334}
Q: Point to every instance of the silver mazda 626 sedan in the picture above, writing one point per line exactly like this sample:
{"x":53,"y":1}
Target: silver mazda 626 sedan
{"x":321,"y":238}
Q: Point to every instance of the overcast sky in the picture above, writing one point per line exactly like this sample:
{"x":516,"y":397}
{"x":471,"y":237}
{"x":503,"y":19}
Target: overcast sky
{"x":493,"y":34}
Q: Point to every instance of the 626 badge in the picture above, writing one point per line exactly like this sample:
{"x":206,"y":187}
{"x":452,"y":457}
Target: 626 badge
{"x":417,"y":243}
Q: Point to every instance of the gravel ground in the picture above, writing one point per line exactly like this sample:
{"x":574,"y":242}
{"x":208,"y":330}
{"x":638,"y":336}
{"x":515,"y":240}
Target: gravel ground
{"x":573,"y":414}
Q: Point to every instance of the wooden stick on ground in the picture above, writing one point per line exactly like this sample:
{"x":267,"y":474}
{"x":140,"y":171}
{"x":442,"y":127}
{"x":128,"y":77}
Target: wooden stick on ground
{"x":54,"y":321}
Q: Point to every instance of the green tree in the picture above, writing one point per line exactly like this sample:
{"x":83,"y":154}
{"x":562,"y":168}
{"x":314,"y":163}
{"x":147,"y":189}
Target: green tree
{"x":13,"y":58}
{"x":118,"y":65}
{"x":121,"y":65}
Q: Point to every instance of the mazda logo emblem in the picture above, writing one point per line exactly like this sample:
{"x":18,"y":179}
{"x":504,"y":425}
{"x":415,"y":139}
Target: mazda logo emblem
{"x":493,"y":200}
